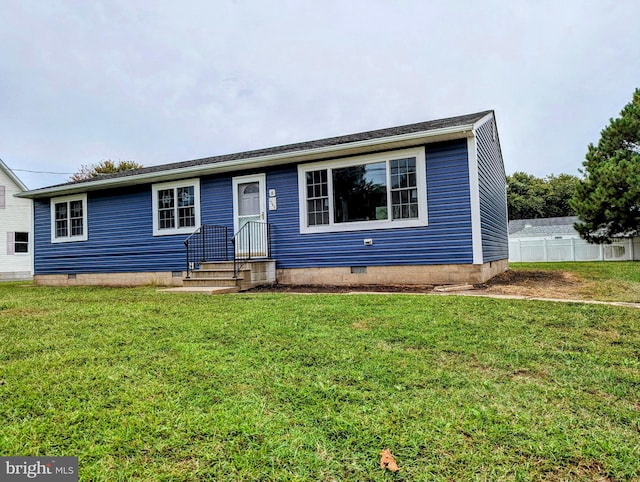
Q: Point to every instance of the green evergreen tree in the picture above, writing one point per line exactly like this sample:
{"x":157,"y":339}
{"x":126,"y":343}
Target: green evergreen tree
{"x":607,"y":198}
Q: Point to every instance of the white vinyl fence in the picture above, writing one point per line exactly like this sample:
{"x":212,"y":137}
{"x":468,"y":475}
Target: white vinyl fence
{"x":538,"y":250}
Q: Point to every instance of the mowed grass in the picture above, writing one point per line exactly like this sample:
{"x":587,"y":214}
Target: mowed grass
{"x":142,"y":385}
{"x":603,"y":280}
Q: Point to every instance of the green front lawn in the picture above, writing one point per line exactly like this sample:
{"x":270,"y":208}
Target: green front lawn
{"x":620,"y":271}
{"x":602,"y":280}
{"x":148,"y":386}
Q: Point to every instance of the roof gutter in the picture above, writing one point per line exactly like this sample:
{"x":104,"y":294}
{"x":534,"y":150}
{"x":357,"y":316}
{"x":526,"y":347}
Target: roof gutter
{"x":352,"y":148}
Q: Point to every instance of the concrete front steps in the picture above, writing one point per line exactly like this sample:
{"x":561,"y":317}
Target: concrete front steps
{"x":217,"y":277}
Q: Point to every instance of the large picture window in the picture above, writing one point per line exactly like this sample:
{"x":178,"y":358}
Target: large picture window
{"x":360,"y":193}
{"x":176,"y":207}
{"x":367,"y":192}
{"x":69,"y":219}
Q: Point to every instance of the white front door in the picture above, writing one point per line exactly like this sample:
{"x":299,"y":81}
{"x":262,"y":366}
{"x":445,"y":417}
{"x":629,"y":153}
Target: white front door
{"x":250,"y":205}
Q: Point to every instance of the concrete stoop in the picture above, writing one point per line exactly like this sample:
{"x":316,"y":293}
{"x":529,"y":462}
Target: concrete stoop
{"x":217,"y":277}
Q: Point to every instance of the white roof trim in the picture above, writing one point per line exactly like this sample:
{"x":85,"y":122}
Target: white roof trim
{"x":479,"y":123}
{"x":347,"y":149}
{"x":13,"y":177}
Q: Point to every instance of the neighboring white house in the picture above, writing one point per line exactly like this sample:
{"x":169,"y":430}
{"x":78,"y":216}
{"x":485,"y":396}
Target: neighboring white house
{"x":555,"y":239}
{"x":16,"y":244}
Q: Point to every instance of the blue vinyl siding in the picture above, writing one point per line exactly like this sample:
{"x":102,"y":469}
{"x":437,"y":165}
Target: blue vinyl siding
{"x":120,"y":238}
{"x":121,"y":232}
{"x":216,"y":201}
{"x":493,"y":197}
{"x":447,"y":238}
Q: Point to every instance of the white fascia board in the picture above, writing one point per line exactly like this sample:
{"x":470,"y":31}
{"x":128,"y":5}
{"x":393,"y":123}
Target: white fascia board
{"x":349,"y":149}
{"x":481,"y":121}
{"x":486,"y":118}
{"x":12,"y":176}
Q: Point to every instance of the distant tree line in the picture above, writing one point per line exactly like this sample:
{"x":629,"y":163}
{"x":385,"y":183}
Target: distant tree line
{"x":533,"y":197}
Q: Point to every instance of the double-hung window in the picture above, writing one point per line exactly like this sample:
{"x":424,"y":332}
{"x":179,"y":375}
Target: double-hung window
{"x":377,"y":191}
{"x":17,"y":243}
{"x":176,"y":207}
{"x":20,"y":242}
{"x":69,"y":219}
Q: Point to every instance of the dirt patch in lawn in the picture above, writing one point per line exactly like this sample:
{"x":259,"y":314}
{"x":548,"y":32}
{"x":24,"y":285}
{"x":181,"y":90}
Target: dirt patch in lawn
{"x":278,"y":288}
{"x":530,"y":283}
{"x":537,"y":284}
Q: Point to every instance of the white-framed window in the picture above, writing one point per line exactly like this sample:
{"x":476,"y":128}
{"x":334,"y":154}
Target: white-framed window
{"x":20,"y":242}
{"x":376,"y":191}
{"x":176,"y":207}
{"x":17,"y":243}
{"x":69,"y":219}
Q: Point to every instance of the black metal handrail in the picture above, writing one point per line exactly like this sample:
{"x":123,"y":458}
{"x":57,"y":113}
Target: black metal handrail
{"x":207,"y":243}
{"x":253,"y":240}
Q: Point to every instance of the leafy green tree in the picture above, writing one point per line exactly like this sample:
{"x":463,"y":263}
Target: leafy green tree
{"x":560,"y":190}
{"x":607,"y":198}
{"x":525,"y":196}
{"x":105,"y":167}
{"x":532,"y":197}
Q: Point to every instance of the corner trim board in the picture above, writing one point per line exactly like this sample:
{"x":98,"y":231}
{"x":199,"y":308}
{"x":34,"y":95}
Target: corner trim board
{"x":474,"y":194}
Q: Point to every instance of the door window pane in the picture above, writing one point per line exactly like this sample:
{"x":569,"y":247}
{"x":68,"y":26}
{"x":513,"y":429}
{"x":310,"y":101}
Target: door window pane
{"x":249,"y":199}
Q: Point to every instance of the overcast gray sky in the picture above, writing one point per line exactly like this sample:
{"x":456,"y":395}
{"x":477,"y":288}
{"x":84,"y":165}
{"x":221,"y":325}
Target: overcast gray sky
{"x":154,"y":81}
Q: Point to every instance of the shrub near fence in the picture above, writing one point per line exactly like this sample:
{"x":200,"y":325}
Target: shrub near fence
{"x":540,"y":250}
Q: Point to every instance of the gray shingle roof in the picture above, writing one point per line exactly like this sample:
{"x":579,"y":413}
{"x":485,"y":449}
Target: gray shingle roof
{"x":450,"y":122}
{"x":543,"y":226}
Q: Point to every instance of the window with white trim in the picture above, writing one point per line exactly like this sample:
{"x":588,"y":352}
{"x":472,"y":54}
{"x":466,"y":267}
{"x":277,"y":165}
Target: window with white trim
{"x":20,"y":242}
{"x":377,"y":191}
{"x":176,"y":207}
{"x":69,"y":219}
{"x":17,"y":243}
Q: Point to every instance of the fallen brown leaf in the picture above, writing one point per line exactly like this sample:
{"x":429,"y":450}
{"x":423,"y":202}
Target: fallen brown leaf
{"x":387,"y":461}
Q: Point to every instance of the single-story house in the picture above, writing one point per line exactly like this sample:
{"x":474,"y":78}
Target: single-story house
{"x":556,"y":239}
{"x":16,"y":260}
{"x":422,"y":203}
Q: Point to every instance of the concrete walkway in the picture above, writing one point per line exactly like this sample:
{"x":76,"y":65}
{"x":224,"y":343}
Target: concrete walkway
{"x":206,"y":290}
{"x":449,"y":292}
{"x":537,"y":298}
{"x":481,"y":294}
